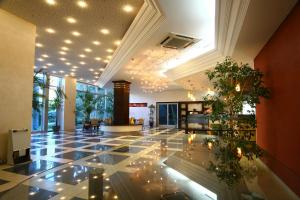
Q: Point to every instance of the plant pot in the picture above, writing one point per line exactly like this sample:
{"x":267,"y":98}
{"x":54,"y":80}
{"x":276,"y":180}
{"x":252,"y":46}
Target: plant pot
{"x":55,"y":129}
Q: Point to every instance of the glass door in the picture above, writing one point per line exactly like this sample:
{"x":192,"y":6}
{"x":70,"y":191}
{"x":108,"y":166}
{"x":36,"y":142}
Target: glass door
{"x":167,"y":115}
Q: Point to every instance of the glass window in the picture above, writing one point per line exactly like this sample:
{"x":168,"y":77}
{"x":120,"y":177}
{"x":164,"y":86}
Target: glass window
{"x":37,"y":114}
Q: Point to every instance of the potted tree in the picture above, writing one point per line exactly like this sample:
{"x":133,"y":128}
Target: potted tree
{"x":37,"y":84}
{"x":151,"y":115}
{"x":56,"y":104}
{"x":234,"y":86}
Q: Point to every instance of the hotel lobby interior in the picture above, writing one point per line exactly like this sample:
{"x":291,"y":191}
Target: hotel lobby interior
{"x":149,"y":99}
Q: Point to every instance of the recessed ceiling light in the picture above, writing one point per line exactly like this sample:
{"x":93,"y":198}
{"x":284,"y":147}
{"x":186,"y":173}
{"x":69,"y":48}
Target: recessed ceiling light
{"x":61,"y":71}
{"x":82,"y":55}
{"x":50,"y":30}
{"x":63,"y":59}
{"x":106,"y":61}
{"x":65,"y":48}
{"x":67,"y":41}
{"x":96,"y":73}
{"x":45,"y":67}
{"x":101,"y":69}
{"x":98,"y":58}
{"x":76,"y":33}
{"x":73,"y":74}
{"x":53,"y":72}
{"x":96,"y":77}
{"x":66,"y":74}
{"x":91,"y":69}
{"x":34,"y":67}
{"x":88,"y":50}
{"x":45,"y":55}
{"x":88,"y":81}
{"x":128,"y":8}
{"x":96,"y":42}
{"x":75,"y":67}
{"x":104,"y":31}
{"x":67,"y":63}
{"x":39,"y":45}
{"x":51,"y":2}
{"x":117,"y":42}
{"x":82,"y":63}
{"x":71,"y":20}
{"x":109,"y":57}
{"x":62,"y":52}
{"x":82,"y":4}
{"x":73,"y":70}
{"x":81,"y":79}
{"x":109,"y":50}
{"x":49,"y":64}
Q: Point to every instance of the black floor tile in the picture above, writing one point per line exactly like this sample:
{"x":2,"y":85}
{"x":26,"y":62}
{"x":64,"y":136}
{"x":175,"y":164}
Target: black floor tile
{"x":117,"y":142}
{"x":44,"y":152}
{"x":70,"y":175}
{"x":97,"y":140}
{"x":128,"y":149}
{"x":75,"y":145}
{"x":143,"y":143}
{"x":33,"y":167}
{"x":28,"y":192}
{"x":108,"y":159}
{"x":99,"y":147}
{"x":51,"y":142}
{"x":74,"y":155}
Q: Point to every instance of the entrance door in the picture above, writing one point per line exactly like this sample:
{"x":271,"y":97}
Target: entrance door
{"x":167,"y":115}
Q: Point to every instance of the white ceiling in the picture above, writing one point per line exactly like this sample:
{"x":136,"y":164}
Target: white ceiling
{"x":97,"y":15}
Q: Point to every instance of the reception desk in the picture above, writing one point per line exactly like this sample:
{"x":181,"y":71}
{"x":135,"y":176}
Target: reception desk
{"x":124,"y":128}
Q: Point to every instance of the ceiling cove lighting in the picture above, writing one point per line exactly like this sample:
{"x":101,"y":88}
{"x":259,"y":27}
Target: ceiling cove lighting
{"x":50,"y":30}
{"x":51,"y":2}
{"x":82,"y":4}
{"x":104,"y":31}
{"x":127,"y":8}
{"x":71,"y":20}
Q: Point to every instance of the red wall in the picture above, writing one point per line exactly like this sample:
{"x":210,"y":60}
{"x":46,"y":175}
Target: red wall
{"x":279,"y":117}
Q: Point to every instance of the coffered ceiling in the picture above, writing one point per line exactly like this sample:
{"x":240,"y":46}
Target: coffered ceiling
{"x":76,"y":38}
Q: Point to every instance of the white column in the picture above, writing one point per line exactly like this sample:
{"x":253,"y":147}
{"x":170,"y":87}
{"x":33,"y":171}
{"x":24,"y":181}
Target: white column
{"x":17,"y":46}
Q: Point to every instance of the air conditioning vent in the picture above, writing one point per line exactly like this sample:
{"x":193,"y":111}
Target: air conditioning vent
{"x":175,"y":41}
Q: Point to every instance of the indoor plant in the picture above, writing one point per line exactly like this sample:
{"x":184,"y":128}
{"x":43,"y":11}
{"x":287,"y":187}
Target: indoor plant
{"x":151,"y":115}
{"x":56,"y":104}
{"x":234,"y":86}
{"x":38,"y":83}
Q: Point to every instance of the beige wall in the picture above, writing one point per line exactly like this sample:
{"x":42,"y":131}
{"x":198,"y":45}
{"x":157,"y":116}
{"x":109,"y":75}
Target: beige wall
{"x":17,"y":45}
{"x":70,"y":103}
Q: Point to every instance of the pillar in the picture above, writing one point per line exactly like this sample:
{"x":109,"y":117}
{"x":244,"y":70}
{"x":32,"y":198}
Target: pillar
{"x":17,"y":46}
{"x":121,"y":102}
{"x":69,"y":105}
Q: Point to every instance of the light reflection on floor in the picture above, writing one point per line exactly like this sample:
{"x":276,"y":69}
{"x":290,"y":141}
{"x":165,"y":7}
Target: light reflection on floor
{"x":147,"y":165}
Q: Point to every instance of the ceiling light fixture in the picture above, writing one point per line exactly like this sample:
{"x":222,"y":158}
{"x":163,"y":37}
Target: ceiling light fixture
{"x":101,"y":69}
{"x":109,"y":57}
{"x":49,"y":64}
{"x":73,"y":70}
{"x":50,"y":30}
{"x":62,"y":52}
{"x":82,"y":63}
{"x":61,"y":71}
{"x":45,"y":55}
{"x":117,"y":42}
{"x":76,"y":33}
{"x":63,"y":59}
{"x":106,"y":61}
{"x":67,"y":63}
{"x":82,"y":4}
{"x":109,"y":50}
{"x":127,"y":8}
{"x":75,"y":67}
{"x":98,"y":58}
{"x":67,"y":41}
{"x":91,"y":69}
{"x":82,"y":55}
{"x":39,"y":45}
{"x":40,"y":59}
{"x":88,"y":50}
{"x":65,"y":48}
{"x":53,"y":72}
{"x":71,"y":20}
{"x":51,"y":2}
{"x":104,"y":31}
{"x":96,"y":42}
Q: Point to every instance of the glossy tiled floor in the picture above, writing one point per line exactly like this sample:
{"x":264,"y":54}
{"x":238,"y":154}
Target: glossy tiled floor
{"x":146,"y":165}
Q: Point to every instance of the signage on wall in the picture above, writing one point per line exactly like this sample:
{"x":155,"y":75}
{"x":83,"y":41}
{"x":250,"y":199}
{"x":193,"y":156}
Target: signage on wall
{"x":138,"y":104}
